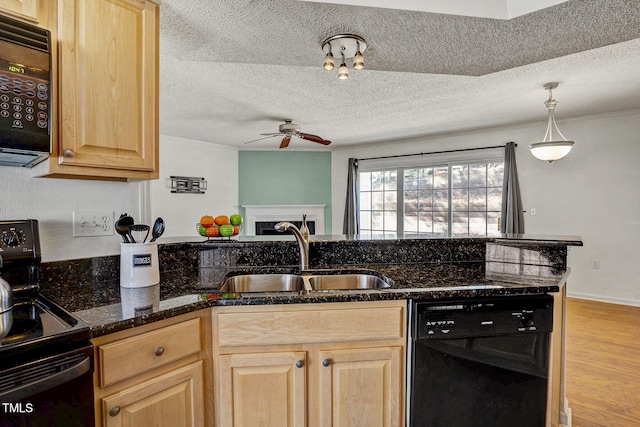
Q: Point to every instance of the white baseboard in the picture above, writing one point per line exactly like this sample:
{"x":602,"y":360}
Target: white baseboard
{"x":600,"y":298}
{"x":566,"y":415}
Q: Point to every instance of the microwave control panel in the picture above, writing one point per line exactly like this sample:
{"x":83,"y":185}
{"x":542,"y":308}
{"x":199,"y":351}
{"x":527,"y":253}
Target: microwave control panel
{"x":25,"y":103}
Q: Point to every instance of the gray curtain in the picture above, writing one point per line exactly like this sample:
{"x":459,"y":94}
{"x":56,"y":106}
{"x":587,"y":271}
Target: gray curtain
{"x":512,"y":219}
{"x":351,"y":224}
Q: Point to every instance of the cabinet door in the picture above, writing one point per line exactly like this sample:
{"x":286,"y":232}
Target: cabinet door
{"x":174,"y":399}
{"x":361,"y":387}
{"x":108,"y":62}
{"x":262,"y":389}
{"x":23,"y":9}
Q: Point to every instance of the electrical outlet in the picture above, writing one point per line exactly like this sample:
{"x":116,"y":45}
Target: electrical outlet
{"x":595,"y":263}
{"x":532,"y":211}
{"x":92,"y":223}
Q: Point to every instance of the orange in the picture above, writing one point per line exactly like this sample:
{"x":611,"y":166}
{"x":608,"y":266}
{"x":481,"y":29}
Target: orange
{"x":213,"y":231}
{"x":236,"y":230}
{"x":221,"y":220}
{"x":206,"y":221}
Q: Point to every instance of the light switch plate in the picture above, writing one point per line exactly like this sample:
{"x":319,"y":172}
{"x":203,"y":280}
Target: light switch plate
{"x":92,"y":223}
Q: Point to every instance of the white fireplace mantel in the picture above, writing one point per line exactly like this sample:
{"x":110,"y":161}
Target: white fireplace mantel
{"x":265,"y":213}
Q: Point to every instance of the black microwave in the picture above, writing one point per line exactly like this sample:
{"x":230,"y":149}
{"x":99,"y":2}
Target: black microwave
{"x":25,"y":93}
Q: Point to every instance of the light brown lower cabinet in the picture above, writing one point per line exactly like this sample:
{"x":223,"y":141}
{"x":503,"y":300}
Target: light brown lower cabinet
{"x":156,"y":375}
{"x":360,"y":387}
{"x":317,"y":365}
{"x":263,"y":389}
{"x":174,"y":399}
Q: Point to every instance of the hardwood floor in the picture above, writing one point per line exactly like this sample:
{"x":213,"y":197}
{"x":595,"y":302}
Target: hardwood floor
{"x":603,"y":364}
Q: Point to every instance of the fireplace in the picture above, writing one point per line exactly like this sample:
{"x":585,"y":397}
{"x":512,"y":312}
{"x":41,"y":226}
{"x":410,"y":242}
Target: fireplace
{"x":260,"y":219}
{"x":265,"y":228}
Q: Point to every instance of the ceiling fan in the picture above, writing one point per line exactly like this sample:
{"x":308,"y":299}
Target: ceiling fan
{"x":289,"y":129}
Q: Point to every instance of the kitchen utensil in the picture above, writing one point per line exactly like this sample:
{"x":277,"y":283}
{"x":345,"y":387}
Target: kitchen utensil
{"x":122,"y":226}
{"x":6,"y":322}
{"x":6,"y":305}
{"x":6,"y":293}
{"x":6,"y":296}
{"x":141,"y":228}
{"x":157,"y":230}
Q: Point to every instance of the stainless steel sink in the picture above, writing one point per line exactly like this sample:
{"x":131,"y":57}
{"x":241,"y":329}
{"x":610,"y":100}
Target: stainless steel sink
{"x":262,"y":283}
{"x":346,"y":281}
{"x":282,"y":282}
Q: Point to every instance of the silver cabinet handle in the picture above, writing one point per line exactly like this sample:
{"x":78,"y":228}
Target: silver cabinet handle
{"x":68,"y":152}
{"x":159,"y":351}
{"x":114,"y":411}
{"x":326,"y":362}
{"x":300,"y":364}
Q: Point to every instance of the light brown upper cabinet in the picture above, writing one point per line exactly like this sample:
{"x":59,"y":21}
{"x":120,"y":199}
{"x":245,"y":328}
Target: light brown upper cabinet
{"x":106,"y":97}
{"x":27,"y":10}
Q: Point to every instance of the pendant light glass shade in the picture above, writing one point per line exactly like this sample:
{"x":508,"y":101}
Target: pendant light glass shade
{"x":548,"y":149}
{"x":358,"y":61}
{"x":551,"y":151}
{"x":343,"y":71}
{"x":328,"y":62}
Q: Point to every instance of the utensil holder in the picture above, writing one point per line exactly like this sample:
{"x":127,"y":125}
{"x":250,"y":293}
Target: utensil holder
{"x":139,"y":265}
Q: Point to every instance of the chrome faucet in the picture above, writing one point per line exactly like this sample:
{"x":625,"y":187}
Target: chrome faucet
{"x":303,"y":242}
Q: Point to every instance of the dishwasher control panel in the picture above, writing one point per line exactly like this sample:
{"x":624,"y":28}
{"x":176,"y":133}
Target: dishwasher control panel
{"x":506,"y":315}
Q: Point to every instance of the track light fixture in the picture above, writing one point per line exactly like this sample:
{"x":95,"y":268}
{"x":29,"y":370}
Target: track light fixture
{"x":344,"y":46}
{"x":549,"y":149}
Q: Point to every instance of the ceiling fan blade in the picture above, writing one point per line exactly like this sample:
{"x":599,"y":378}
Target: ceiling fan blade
{"x":259,"y":139}
{"x":285,"y":141}
{"x":314,"y":138}
{"x":271,"y":134}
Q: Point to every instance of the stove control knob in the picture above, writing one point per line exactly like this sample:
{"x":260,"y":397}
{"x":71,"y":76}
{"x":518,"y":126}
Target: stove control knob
{"x":526,"y":320}
{"x":11,"y":239}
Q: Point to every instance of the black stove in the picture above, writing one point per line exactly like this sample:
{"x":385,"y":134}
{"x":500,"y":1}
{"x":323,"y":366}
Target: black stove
{"x":45,"y":352}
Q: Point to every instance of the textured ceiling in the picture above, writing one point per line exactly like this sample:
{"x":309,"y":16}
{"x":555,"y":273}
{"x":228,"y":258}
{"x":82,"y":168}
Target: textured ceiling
{"x":232,"y":69}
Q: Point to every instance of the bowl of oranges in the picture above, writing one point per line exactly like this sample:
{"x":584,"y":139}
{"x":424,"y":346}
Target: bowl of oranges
{"x":220,"y":226}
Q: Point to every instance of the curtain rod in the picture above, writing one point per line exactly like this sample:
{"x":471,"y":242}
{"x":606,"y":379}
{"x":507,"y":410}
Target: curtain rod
{"x":434,"y":152}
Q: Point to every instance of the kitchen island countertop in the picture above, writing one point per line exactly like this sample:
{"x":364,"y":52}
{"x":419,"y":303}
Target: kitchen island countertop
{"x":109,"y":308}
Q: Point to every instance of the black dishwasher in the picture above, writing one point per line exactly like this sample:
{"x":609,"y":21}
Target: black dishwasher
{"x":480,"y":362}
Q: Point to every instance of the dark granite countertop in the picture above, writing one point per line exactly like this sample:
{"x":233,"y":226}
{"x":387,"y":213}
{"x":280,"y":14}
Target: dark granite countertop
{"x":108,"y":308}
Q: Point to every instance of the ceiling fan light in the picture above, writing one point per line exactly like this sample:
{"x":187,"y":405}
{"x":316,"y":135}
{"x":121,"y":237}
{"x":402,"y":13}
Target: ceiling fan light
{"x":358,"y":61}
{"x":343,"y":71}
{"x":328,"y":62}
{"x":551,"y":151}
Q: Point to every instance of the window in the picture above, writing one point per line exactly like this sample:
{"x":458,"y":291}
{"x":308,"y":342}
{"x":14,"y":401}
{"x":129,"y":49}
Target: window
{"x":443,"y":200}
{"x":379,"y":202}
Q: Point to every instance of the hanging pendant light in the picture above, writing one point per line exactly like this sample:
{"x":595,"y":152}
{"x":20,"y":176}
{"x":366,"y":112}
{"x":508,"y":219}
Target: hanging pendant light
{"x":550,"y":150}
{"x":343,"y":71}
{"x":328,"y":61}
{"x":358,"y":60}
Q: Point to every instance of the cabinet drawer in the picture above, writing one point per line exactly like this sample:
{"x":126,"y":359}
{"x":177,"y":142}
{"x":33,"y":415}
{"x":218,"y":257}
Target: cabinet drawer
{"x":310,"y":325}
{"x":128,"y":357}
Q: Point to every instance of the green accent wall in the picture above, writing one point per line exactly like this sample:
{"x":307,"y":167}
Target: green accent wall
{"x":285,"y":178}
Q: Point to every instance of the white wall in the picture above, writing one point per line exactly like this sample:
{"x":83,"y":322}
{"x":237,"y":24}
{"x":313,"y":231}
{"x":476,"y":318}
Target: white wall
{"x":593,"y":193}
{"x":217,"y":164}
{"x":52,"y":202}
